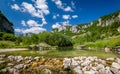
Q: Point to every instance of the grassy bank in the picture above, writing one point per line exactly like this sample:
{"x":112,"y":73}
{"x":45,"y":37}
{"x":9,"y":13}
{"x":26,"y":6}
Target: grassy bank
{"x":62,"y":54}
{"x":109,"y":42}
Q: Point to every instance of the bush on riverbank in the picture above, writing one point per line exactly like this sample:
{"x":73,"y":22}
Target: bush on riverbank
{"x":53,"y":39}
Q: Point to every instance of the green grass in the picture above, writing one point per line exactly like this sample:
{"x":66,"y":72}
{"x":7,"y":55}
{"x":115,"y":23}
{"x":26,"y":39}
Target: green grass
{"x":110,"y":42}
{"x":6,"y":44}
{"x":62,"y":54}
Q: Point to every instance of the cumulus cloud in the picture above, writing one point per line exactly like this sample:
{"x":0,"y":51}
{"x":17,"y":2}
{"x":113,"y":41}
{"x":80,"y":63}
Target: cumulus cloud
{"x":66,"y":17}
{"x":32,"y":23}
{"x":58,"y":3}
{"x":18,"y":30}
{"x":61,"y":6}
{"x":68,"y":8}
{"x":23,"y":23}
{"x":56,"y":25}
{"x":29,"y":8}
{"x":15,"y":6}
{"x":38,"y":9}
{"x":75,"y":16}
{"x":42,"y":5}
{"x":34,"y":30}
{"x":65,"y":23}
{"x":55,"y":16}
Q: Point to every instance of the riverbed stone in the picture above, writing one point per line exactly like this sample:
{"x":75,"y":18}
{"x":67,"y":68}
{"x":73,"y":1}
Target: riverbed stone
{"x":116,"y":65}
{"x":2,"y":62}
{"x":19,"y":66}
{"x":37,"y":58}
{"x":78,"y":70}
{"x":66,"y":62}
{"x":11,"y":58}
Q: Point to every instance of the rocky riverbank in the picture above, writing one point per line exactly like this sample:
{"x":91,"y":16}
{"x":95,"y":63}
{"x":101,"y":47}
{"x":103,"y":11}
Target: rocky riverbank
{"x":77,"y":65}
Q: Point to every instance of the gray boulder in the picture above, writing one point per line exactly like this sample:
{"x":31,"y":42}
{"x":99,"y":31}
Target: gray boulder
{"x":80,"y":47}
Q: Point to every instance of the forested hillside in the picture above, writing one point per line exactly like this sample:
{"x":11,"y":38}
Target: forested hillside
{"x":103,"y":28}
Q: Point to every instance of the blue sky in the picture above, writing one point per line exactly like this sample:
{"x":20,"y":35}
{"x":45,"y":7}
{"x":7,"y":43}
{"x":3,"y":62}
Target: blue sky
{"x":42,"y":15}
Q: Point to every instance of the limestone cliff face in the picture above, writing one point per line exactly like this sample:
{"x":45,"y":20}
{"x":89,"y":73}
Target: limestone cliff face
{"x":103,"y":22}
{"x":5,"y":24}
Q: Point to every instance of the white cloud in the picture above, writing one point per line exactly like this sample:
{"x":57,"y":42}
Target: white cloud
{"x":23,"y":23}
{"x":66,"y":17}
{"x":55,"y":16}
{"x":75,"y":16}
{"x":42,"y":6}
{"x":43,"y":21}
{"x":58,"y":3}
{"x":18,"y":30}
{"x":68,"y":8}
{"x":35,"y":30}
{"x":32,"y":23}
{"x":15,"y":6}
{"x":61,"y":6}
{"x":57,"y":25}
{"x":38,"y":9}
{"x":29,"y":8}
{"x":66,"y":23}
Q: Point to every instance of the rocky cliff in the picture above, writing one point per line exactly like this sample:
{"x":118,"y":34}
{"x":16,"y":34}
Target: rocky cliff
{"x":5,"y":24}
{"x":107,"y":23}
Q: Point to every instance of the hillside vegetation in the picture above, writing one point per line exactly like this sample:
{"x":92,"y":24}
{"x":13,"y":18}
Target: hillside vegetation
{"x":105,"y":27}
{"x":96,"y":33}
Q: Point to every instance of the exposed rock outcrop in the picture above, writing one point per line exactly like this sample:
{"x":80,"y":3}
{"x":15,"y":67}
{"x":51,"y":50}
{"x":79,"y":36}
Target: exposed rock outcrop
{"x":5,"y":24}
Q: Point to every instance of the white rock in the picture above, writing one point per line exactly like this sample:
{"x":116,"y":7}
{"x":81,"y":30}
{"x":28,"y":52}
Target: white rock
{"x":11,"y":58}
{"x":2,"y":56}
{"x":114,"y":70}
{"x":10,"y":64}
{"x":91,"y":72}
{"x":74,"y":63}
{"x":105,"y":71}
{"x":11,"y":70}
{"x":3,"y":70}
{"x":102,"y":61}
{"x":86,"y":63}
{"x":118,"y":60}
{"x":37,"y":58}
{"x":116,"y":65}
{"x":78,"y":70}
{"x":108,"y":70}
{"x":19,"y":66}
{"x":2,"y":62}
{"x":111,"y":59}
{"x":19,"y":58}
{"x":66,"y":62}
{"x":100,"y":66}
{"x":107,"y":49}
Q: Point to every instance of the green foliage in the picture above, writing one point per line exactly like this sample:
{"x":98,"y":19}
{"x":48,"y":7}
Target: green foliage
{"x":18,"y":40}
{"x":7,"y":36}
{"x":53,"y":39}
{"x":6,"y":44}
{"x":110,"y":42}
{"x":27,"y":41}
